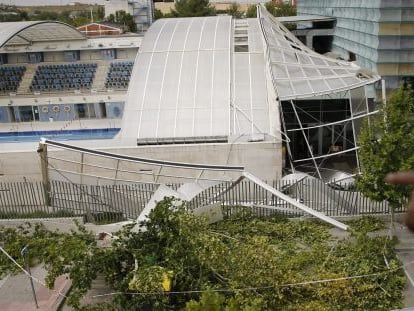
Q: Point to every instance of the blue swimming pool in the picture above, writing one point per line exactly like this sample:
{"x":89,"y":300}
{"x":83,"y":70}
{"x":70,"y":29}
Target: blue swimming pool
{"x":83,"y":134}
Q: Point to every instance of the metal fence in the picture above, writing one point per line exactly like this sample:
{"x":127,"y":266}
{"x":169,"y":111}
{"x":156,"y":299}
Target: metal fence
{"x":101,"y":204}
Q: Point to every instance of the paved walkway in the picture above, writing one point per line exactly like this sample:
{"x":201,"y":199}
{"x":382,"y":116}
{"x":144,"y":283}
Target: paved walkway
{"x":405,"y":251}
{"x":16,"y":293}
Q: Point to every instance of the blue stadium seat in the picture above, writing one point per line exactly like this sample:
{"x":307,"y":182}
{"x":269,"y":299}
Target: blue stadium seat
{"x":58,"y":77}
{"x":119,"y":74}
{"x":10,"y":77}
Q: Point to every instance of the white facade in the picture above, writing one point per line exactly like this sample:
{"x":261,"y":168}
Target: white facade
{"x":111,"y":6}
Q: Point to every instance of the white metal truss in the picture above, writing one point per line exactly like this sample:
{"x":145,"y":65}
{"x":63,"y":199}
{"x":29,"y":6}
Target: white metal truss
{"x":239,"y":174}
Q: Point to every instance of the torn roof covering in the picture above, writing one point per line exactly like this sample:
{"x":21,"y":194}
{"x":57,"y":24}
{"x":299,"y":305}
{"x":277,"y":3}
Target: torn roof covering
{"x":298,"y":72}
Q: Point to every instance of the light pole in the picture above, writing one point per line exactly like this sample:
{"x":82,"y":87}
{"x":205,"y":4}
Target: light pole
{"x":24,"y":251}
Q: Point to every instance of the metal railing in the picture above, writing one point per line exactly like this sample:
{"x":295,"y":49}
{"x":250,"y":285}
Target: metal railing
{"x":112,"y":203}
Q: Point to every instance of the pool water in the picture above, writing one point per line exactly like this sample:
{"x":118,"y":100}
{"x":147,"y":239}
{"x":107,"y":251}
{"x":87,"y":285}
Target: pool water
{"x":83,"y":134}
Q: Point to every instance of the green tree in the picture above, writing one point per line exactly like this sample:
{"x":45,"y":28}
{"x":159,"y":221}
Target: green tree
{"x":234,"y":10}
{"x":251,"y":11}
{"x":386,"y":145}
{"x":192,"y":8}
{"x":280,"y":9}
{"x":158,"y":14}
{"x":100,"y":13}
{"x":124,"y":18}
{"x":241,"y":263}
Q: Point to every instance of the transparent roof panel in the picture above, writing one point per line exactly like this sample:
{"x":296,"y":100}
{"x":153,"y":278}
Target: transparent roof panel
{"x":299,"y":72}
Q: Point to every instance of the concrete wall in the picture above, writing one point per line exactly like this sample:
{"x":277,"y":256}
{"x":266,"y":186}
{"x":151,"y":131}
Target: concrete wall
{"x":53,"y":57}
{"x":63,"y":112}
{"x":61,"y":115}
{"x":263,"y":159}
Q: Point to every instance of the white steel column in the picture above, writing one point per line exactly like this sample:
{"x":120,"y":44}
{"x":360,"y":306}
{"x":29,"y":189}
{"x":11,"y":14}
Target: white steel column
{"x":353,"y":130}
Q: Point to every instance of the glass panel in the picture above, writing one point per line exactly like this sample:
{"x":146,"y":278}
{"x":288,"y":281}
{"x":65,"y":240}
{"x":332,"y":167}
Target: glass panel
{"x":311,"y":72}
{"x":325,"y":72}
{"x":290,"y":57}
{"x":280,"y":71}
{"x":295,"y":71}
{"x":276,"y":56}
{"x":318,"y":61}
{"x":335,"y":83}
{"x":303,"y":59}
{"x":284,"y":89}
{"x":319,"y":85}
{"x":301,"y":87}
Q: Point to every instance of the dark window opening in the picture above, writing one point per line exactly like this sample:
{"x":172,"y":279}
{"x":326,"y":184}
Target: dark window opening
{"x":241,"y":48}
{"x":108,"y":54}
{"x":11,"y":114}
{"x":71,"y":56}
{"x":81,"y":111}
{"x":26,"y":113}
{"x":34,"y":57}
{"x":322,"y":44}
{"x":3,"y":59}
{"x":102,"y":109}
{"x":351,"y":56}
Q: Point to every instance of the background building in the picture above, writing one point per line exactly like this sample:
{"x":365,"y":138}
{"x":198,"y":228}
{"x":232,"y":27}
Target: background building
{"x":376,"y":34}
{"x":141,"y":10}
{"x":101,"y":29}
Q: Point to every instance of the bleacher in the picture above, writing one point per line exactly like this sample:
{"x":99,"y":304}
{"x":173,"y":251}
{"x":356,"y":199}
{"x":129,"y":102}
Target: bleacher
{"x":10,"y":77}
{"x":119,"y":74}
{"x":63,"y":77}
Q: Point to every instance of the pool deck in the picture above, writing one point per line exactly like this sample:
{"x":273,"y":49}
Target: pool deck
{"x":60,"y":125}
{"x":82,"y":124}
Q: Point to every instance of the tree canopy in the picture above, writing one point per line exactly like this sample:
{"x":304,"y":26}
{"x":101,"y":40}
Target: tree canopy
{"x":124,"y":18}
{"x":387,"y":145}
{"x":192,"y":8}
{"x":243,"y":263}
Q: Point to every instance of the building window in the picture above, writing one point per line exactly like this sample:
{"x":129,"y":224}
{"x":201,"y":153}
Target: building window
{"x":3,"y":59}
{"x":71,"y":56}
{"x":108,"y":54}
{"x":241,"y":48}
{"x":34,"y":57}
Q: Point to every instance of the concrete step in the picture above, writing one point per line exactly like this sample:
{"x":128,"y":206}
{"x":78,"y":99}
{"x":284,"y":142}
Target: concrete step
{"x":27,"y":79}
{"x":100,"y":76}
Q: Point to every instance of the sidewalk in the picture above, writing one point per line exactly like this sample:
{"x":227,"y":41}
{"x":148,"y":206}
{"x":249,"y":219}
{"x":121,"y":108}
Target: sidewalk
{"x":16,"y":292}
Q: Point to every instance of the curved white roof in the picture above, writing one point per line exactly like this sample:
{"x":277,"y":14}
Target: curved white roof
{"x":216,"y":76}
{"x":186,"y":82}
{"x":22,"y":33}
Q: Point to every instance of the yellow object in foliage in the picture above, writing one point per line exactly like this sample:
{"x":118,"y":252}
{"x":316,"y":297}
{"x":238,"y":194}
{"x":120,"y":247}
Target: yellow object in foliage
{"x":166,"y":281}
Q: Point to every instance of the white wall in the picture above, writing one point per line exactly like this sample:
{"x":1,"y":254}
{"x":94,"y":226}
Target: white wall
{"x":15,"y":58}
{"x":53,"y":56}
{"x":263,"y":159}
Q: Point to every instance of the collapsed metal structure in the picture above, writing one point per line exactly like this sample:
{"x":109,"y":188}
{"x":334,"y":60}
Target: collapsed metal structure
{"x":89,"y":159}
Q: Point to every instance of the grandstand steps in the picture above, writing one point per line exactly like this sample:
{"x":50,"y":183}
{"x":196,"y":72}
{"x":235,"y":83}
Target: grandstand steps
{"x":27,"y":79}
{"x":100,"y":76}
